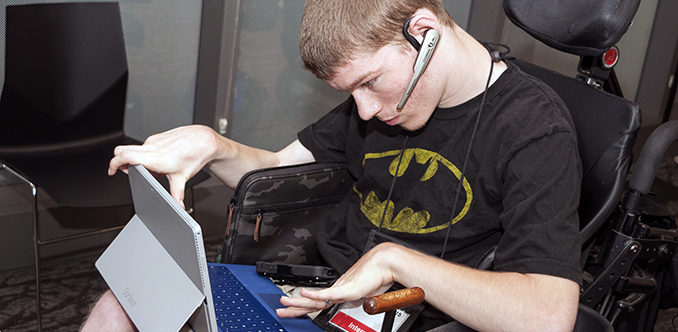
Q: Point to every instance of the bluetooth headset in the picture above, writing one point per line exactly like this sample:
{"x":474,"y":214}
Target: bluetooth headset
{"x":425,"y":49}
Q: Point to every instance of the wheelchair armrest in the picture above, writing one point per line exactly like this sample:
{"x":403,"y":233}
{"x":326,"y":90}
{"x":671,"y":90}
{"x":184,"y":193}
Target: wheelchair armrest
{"x":650,"y":156}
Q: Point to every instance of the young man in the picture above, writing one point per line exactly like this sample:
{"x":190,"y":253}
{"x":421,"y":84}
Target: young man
{"x":519,"y":191}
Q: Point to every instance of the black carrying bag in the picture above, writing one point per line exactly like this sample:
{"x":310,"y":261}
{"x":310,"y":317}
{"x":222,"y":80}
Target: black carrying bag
{"x":275,"y":213}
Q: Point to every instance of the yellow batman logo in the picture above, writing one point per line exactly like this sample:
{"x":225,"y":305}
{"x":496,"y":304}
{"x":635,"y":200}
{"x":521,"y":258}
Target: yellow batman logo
{"x":407,"y":220}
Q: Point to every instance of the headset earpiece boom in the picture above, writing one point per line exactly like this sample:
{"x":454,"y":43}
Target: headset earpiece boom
{"x":409,"y":37}
{"x":426,"y":49}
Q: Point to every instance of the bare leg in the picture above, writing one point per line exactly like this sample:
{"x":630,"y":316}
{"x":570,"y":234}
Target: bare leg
{"x":108,"y":315}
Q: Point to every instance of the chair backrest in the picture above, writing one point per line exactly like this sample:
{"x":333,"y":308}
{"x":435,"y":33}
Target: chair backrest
{"x":581,"y":27}
{"x":606,"y":127}
{"x":66,"y":73}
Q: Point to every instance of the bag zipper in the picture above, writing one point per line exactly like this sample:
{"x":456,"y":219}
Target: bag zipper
{"x":287,"y":207}
{"x":257,"y":226}
{"x":259,"y":212}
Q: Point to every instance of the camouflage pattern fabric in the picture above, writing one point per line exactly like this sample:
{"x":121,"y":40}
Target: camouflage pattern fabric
{"x":275,"y":213}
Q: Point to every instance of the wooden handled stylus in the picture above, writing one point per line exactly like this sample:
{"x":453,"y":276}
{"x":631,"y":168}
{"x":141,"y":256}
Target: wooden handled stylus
{"x":393,"y":300}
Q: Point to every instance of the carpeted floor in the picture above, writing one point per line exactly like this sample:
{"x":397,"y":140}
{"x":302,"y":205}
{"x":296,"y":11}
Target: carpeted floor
{"x":68,"y":289}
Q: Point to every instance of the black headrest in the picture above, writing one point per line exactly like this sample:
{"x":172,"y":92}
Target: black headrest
{"x":580,"y":27}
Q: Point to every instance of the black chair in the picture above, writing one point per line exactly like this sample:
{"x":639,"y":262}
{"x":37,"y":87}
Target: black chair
{"x":62,"y":107}
{"x":606,"y":127}
{"x":629,"y":244}
{"x":63,"y":100}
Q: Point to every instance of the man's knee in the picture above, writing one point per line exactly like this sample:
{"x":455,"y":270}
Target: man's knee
{"x":108,"y":315}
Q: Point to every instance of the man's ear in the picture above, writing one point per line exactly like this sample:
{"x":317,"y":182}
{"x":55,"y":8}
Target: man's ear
{"x":422,"y":20}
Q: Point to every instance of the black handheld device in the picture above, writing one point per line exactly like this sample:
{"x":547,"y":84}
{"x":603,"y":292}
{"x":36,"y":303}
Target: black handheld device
{"x":297,"y":275}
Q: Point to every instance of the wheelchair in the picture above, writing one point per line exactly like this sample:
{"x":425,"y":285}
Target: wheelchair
{"x":628,"y":241}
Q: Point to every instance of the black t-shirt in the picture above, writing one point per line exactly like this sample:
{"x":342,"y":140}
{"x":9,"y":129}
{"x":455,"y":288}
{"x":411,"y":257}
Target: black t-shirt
{"x":520,"y":190}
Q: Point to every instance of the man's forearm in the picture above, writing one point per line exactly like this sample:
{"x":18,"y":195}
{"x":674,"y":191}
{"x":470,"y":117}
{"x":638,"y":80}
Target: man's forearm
{"x":233,"y":159}
{"x":486,"y":300}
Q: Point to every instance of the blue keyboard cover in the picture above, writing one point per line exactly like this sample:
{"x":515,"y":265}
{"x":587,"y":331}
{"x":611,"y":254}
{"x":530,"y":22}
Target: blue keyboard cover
{"x":236,"y":308}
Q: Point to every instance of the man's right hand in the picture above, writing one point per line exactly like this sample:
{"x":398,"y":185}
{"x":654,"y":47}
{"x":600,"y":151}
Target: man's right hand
{"x":179,"y":154}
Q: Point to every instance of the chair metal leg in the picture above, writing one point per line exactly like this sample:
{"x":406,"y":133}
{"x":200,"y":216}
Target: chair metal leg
{"x":37,"y":242}
{"x":10,"y":177}
{"x":36,"y":250}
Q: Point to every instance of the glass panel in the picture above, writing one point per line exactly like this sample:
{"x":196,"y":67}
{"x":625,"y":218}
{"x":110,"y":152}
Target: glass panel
{"x":459,"y":10}
{"x":162,"y":38}
{"x":275,"y":97}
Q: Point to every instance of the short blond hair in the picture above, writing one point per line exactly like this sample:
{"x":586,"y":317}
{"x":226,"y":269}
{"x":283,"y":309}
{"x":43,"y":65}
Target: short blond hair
{"x":333,"y":31}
